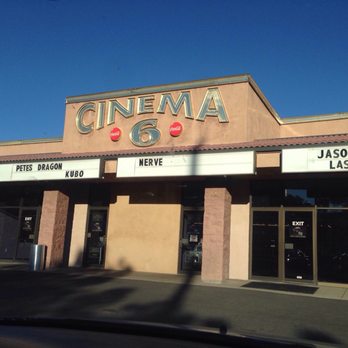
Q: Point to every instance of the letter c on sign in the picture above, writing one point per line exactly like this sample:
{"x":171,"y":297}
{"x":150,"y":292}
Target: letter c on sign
{"x":81,"y":127}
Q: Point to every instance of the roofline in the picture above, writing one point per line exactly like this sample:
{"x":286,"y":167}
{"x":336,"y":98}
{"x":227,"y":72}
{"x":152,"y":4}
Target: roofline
{"x":265,"y":101}
{"x":217,"y":81}
{"x":159,"y":88}
{"x":314,"y":118}
{"x":31,"y":141}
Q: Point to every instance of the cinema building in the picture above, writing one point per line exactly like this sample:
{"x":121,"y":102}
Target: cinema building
{"x":200,"y":175}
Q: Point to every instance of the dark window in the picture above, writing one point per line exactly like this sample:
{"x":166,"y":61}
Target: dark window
{"x":298,"y":198}
{"x":331,"y":193}
{"x":265,"y":244}
{"x":192,"y":195}
{"x":9,"y":219}
{"x":99,"y":195}
{"x":333,"y":245}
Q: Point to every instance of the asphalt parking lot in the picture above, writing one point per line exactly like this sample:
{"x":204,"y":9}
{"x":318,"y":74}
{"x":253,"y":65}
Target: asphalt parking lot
{"x":182,"y":300}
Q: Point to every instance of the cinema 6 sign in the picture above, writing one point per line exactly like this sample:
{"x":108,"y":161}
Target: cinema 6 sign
{"x":146,"y":132}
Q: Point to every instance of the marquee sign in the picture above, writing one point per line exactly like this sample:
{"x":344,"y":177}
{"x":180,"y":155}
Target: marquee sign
{"x":145,"y":131}
{"x":224,"y":163}
{"x":51,"y":170}
{"x":315,"y":159}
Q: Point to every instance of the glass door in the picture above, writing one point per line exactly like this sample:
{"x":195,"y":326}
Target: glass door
{"x":27,"y":232}
{"x":265,"y":243}
{"x":298,"y":245}
{"x":96,"y":237}
{"x":191,"y":241}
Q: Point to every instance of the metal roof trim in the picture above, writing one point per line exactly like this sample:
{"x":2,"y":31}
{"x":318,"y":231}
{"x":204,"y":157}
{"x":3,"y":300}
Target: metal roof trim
{"x":159,"y":88}
{"x":31,"y":141}
{"x":315,"y":118}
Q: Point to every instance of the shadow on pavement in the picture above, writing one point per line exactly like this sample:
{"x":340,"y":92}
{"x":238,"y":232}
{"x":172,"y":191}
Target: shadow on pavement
{"x":91,"y":294}
{"x":318,"y":336}
{"x":172,"y":311}
{"x":105,"y":295}
{"x":57,"y":294}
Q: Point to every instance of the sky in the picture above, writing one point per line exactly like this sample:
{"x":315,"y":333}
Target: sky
{"x":296,"y":51}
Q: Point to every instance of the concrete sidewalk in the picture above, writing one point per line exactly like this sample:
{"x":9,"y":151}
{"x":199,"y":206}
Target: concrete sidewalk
{"x":325,"y":290}
{"x":328,"y":291}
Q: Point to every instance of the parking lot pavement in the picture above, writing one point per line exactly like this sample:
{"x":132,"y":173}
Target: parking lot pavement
{"x":182,"y":299}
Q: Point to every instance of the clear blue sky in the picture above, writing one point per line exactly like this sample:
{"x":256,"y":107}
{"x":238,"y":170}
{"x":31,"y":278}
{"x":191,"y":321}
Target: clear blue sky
{"x":296,"y":50}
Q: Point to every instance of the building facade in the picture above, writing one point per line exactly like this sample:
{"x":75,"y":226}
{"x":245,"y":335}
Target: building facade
{"x":201,"y":176}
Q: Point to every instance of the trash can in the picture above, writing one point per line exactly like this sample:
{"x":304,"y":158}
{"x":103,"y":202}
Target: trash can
{"x":37,"y":257}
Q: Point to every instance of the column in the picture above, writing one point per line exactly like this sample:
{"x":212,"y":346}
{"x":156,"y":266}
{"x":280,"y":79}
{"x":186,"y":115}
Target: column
{"x":78,"y":235}
{"x":53,"y":226}
{"x":240,"y":232}
{"x":216,"y":234}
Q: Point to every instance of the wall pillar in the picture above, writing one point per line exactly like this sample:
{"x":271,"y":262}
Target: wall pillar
{"x":78,"y":235}
{"x":240,"y":235}
{"x":53,"y":226}
{"x":216,"y":234}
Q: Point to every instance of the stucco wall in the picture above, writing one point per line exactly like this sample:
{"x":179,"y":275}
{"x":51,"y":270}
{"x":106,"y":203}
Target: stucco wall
{"x":143,"y":231}
{"x":324,"y":127}
{"x":260,"y":122}
{"x":240,"y":232}
{"x":36,"y":146}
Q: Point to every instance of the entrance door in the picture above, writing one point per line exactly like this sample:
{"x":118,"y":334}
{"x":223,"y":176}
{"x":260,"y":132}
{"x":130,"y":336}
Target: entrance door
{"x":96,"y":237}
{"x":282,"y":244}
{"x":27,"y":232}
{"x":298,"y":245}
{"x":191,"y":241}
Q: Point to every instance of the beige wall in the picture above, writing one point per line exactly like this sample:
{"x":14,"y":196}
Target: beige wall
{"x":240,"y":232}
{"x":260,"y":123}
{"x":20,"y":148}
{"x":144,"y":230}
{"x":324,"y":127}
{"x":268,"y":159}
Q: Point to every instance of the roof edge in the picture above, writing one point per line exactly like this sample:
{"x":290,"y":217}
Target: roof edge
{"x":31,"y":141}
{"x":159,"y":88}
{"x":265,"y":101}
{"x":315,"y":118}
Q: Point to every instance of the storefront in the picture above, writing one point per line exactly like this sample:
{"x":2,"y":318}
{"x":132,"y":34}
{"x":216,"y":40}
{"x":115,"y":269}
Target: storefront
{"x":201,"y":176}
{"x":299,"y":230}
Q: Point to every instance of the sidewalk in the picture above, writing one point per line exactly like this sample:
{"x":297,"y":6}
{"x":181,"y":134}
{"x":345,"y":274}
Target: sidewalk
{"x":326,"y":290}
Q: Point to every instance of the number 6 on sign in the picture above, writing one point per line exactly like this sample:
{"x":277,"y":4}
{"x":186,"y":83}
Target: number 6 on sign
{"x":145,"y":133}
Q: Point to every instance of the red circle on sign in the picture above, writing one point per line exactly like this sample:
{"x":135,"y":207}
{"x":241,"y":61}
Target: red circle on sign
{"x":115,"y":134}
{"x":175,"y":129}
